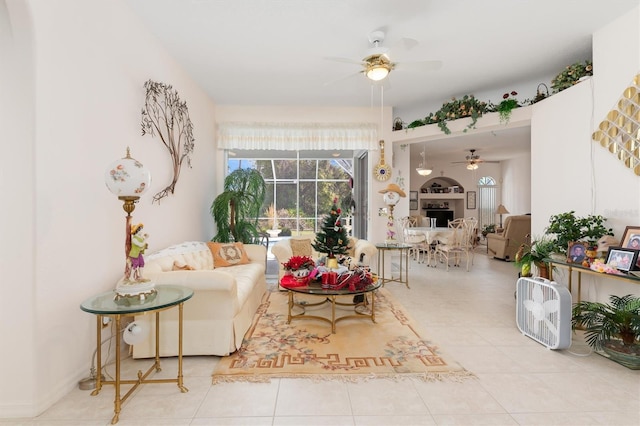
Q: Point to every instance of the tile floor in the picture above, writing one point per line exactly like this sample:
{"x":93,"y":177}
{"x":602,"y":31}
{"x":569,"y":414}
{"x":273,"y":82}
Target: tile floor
{"x":469,"y":314}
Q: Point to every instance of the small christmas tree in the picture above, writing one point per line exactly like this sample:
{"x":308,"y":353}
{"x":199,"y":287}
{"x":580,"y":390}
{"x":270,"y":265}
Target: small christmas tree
{"x":333,"y":238}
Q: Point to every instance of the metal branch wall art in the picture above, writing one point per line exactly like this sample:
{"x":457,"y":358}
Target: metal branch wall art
{"x":167,"y":116}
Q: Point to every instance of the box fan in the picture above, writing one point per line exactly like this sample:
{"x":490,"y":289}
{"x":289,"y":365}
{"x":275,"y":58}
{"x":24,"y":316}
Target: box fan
{"x":543,"y":312}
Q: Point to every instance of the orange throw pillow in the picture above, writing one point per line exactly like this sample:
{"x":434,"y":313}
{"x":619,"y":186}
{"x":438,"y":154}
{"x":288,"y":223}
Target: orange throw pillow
{"x":228,"y":254}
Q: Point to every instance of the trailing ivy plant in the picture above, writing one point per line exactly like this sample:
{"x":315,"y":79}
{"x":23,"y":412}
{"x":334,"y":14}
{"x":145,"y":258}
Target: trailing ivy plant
{"x":571,"y":75}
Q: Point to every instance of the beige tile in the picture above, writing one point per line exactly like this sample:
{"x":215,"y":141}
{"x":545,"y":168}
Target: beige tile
{"x":457,"y":398}
{"x":474,"y":419}
{"x":299,"y":397}
{"x":313,"y":421}
{"x":555,"y":419}
{"x":240,"y":400}
{"x":423,"y":420}
{"x":233,"y":421}
{"x":385,"y":397}
{"x":520,"y":393}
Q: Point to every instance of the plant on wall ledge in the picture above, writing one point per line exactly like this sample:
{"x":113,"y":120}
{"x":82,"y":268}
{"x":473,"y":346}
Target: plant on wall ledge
{"x":167,"y":116}
{"x":467,"y":106}
{"x":507,"y":105}
{"x":571,"y":75}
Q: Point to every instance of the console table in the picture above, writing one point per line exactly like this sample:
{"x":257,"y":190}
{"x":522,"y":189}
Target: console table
{"x":584,"y":270}
{"x":106,"y":305}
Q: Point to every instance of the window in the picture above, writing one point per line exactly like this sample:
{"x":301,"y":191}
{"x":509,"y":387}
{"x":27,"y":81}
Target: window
{"x":487,"y":201}
{"x":301,"y":186}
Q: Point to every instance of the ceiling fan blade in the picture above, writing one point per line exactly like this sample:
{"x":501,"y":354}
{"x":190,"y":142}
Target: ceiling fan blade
{"x":419,"y":65}
{"x":345,"y":60}
{"x":344,"y":77}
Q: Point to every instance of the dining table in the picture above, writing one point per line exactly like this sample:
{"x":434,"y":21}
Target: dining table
{"x":433,"y":234}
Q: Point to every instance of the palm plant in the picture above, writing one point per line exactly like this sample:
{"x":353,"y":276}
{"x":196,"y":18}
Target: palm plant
{"x":619,"y":319}
{"x":236,"y":210}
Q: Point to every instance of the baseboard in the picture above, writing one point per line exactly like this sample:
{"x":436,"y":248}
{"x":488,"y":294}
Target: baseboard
{"x":35,"y":408}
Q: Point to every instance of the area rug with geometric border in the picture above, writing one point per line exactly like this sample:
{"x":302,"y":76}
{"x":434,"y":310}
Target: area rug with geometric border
{"x":392,"y":347}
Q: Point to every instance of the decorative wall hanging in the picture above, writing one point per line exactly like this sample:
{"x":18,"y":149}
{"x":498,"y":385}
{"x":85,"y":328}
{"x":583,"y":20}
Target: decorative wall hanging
{"x":167,"y":116}
{"x":618,"y":131}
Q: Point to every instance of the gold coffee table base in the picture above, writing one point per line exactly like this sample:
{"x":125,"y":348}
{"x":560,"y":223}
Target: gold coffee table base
{"x":331,"y":298}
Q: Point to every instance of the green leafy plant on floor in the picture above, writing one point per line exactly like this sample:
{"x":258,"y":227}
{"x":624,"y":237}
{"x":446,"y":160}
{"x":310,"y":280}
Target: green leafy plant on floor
{"x":604,"y":322}
{"x":237,"y":208}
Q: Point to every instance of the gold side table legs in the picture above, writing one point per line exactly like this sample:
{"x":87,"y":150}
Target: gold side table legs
{"x":141,"y":377}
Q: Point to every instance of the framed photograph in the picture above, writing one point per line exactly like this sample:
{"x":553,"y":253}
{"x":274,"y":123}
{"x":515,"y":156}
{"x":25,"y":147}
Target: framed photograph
{"x":576,"y":252}
{"x":622,"y":258}
{"x":413,"y":205}
{"x":413,"y":196}
{"x":631,"y":238}
{"x":471,"y":200}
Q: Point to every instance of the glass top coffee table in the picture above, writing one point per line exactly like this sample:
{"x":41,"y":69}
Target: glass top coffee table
{"x":361,"y":305}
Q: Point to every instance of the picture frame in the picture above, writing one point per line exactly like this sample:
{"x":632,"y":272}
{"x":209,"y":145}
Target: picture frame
{"x":631,"y":238}
{"x":413,"y":196}
{"x":576,"y":251}
{"x":413,"y":205}
{"x":471,"y":200}
{"x":621,"y":258}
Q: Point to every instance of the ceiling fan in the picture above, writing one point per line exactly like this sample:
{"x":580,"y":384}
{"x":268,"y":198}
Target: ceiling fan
{"x":377,"y":65}
{"x":472,"y":160}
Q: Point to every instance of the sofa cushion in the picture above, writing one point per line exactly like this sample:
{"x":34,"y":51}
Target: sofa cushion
{"x":228,"y":254}
{"x":301,"y":247}
{"x":196,"y":254}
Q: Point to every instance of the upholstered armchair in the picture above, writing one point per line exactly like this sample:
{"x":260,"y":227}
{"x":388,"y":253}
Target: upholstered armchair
{"x":301,"y":246}
{"x":504,"y":245}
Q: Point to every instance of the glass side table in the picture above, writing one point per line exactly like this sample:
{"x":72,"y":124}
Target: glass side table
{"x":404,"y":253}
{"x":106,"y":305}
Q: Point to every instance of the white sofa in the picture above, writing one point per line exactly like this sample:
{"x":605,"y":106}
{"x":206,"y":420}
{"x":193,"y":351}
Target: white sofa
{"x":221,"y":310}
{"x":282,"y":251}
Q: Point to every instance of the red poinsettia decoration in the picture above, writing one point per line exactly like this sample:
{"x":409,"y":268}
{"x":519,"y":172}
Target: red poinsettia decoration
{"x":299,"y":262}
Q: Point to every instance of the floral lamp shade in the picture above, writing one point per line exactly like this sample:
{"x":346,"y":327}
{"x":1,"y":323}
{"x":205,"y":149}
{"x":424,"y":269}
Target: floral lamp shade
{"x":127,"y":177}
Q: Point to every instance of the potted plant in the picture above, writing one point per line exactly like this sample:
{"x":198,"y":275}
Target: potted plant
{"x":488,"y":229}
{"x":299,"y":266}
{"x":467,"y":106}
{"x":612,"y":327}
{"x":535,"y":253}
{"x":568,"y":227}
{"x":236,"y":210}
{"x":571,"y":75}
{"x":507,"y":105}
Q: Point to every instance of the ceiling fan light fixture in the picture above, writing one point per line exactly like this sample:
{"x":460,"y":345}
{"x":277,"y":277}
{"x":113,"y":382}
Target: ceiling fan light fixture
{"x":472,"y":166}
{"x":377,"y":72}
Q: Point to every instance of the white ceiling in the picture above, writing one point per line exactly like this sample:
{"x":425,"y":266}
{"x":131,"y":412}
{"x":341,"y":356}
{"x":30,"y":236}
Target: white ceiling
{"x":274,"y":52}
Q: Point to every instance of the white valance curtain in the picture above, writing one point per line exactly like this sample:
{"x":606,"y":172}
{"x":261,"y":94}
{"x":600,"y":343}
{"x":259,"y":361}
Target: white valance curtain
{"x":297,"y":136}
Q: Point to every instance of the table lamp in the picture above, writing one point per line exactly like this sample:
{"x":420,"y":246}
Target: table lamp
{"x":501,"y":210}
{"x":392,"y":194}
{"x":128,"y":179}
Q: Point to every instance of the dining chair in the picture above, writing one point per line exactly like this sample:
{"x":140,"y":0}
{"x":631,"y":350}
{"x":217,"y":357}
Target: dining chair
{"x":455,"y":245}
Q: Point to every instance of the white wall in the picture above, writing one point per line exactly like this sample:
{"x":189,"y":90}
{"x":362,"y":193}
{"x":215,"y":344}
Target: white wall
{"x":17,"y":184}
{"x":570,"y":171}
{"x":90,"y":61}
